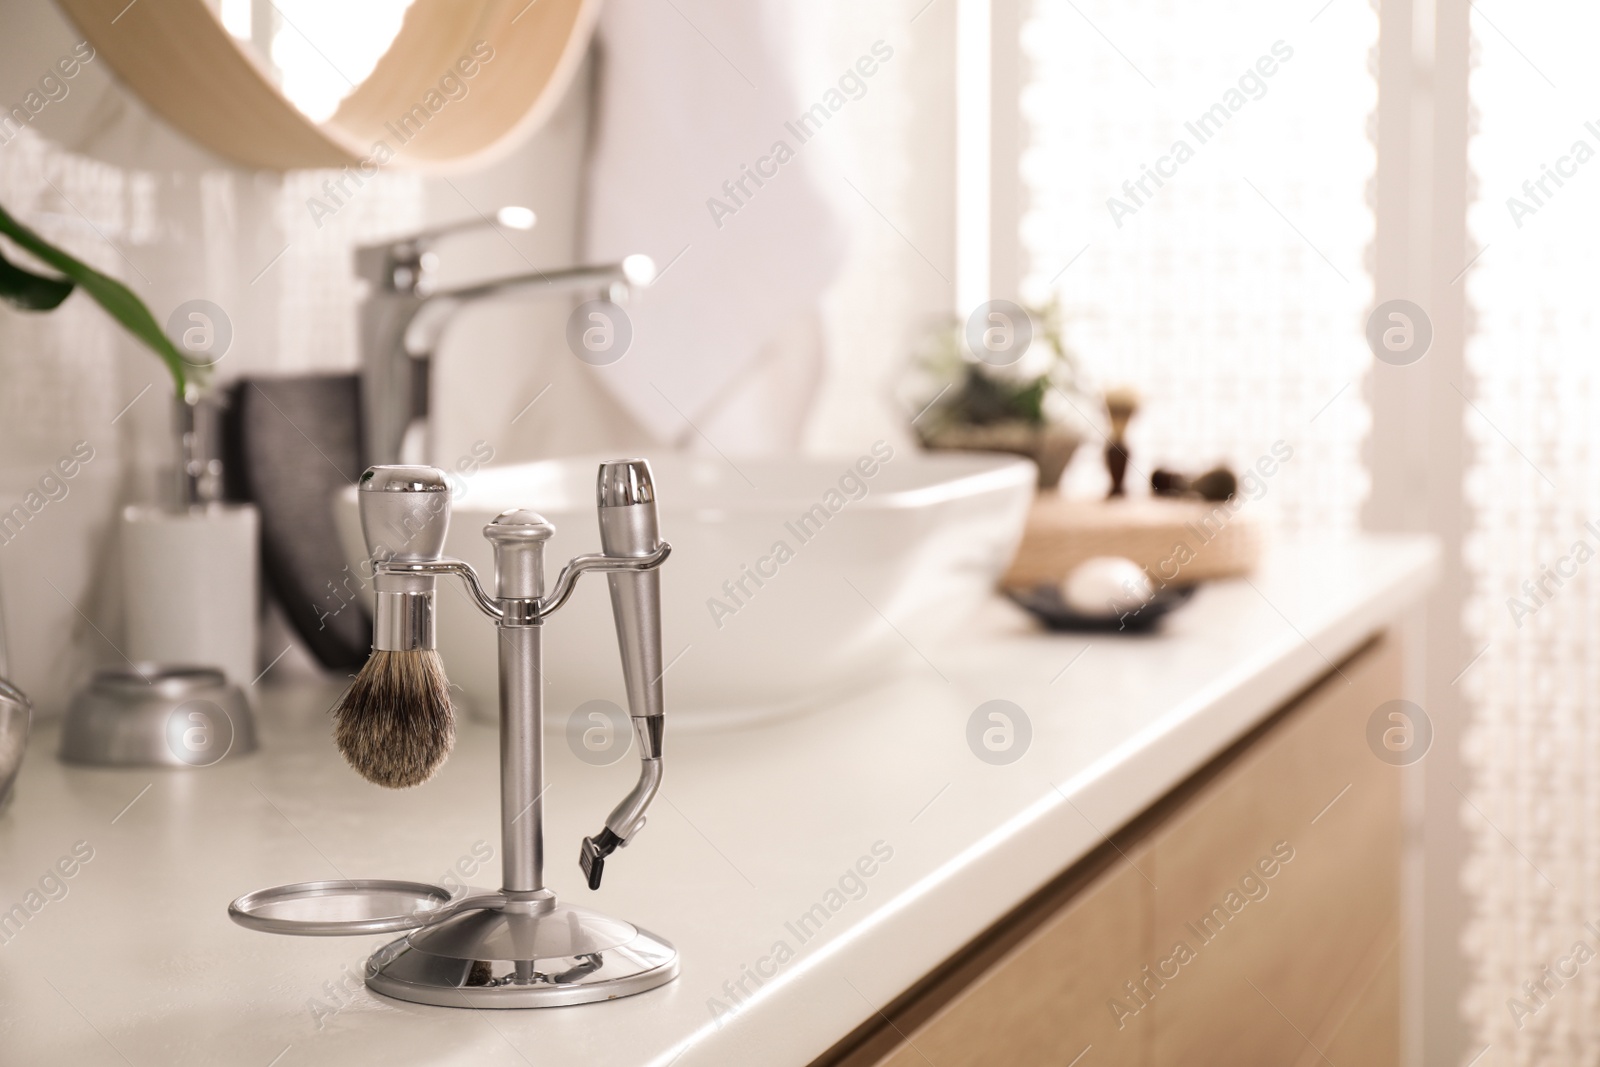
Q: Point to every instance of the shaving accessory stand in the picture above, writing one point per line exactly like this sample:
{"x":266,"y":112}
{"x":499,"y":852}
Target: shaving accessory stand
{"x":519,"y":946}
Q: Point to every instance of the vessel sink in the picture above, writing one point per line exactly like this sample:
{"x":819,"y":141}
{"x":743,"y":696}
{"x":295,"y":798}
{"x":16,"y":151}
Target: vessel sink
{"x":790,"y":579}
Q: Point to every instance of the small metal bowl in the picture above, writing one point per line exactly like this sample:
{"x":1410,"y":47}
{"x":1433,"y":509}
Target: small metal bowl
{"x":345,"y":907}
{"x":157,"y":715}
{"x":15,"y":715}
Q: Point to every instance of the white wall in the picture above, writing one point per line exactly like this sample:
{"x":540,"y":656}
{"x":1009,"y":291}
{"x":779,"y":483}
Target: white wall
{"x":98,"y":173}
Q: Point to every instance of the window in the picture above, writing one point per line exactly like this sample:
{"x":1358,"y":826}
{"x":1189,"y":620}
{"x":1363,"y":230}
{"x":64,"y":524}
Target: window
{"x":318,"y":51}
{"x":1532,"y":483}
{"x":1195,"y":180}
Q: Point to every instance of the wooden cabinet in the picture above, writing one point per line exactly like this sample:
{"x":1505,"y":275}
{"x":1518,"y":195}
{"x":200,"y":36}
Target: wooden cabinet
{"x":1275,"y":978}
{"x":1250,"y":918}
{"x":1045,"y":1001}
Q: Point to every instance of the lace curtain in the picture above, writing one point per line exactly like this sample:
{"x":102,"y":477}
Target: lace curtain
{"x":1196,"y":180}
{"x":1532,"y":877}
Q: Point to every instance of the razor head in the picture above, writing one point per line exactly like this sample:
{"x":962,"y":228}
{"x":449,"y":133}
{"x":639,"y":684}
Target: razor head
{"x":405,"y":512}
{"x":592,"y":855}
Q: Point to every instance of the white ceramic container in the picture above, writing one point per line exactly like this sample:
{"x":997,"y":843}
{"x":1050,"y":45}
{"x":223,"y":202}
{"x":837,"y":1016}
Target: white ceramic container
{"x":189,"y":587}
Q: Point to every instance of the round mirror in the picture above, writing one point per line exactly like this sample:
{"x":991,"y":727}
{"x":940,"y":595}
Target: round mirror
{"x":279,"y":84}
{"x":316,"y":53}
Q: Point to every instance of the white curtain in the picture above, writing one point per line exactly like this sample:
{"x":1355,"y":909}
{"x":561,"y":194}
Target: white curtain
{"x":1532,"y":805}
{"x":1227,"y":279}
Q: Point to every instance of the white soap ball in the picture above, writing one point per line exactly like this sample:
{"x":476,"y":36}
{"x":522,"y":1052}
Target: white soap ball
{"x":1107,"y":585}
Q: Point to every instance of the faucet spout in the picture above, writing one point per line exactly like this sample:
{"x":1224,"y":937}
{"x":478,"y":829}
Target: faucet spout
{"x":614,"y":282}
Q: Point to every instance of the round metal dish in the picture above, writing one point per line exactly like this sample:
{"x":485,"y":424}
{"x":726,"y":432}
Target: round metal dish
{"x":345,"y":907}
{"x":151,"y":714}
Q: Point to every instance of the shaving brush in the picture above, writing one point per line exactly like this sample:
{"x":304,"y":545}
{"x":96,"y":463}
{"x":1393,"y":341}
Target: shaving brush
{"x":395,"y":724}
{"x":1121,"y":405}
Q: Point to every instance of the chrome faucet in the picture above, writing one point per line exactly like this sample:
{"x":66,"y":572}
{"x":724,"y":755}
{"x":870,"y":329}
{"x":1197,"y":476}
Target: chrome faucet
{"x":404,"y":314}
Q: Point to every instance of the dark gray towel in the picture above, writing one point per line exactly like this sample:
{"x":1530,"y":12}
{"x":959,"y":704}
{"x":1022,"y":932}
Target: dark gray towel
{"x":292,"y":443}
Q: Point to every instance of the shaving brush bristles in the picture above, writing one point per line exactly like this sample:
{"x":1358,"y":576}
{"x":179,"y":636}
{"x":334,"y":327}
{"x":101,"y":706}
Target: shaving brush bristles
{"x":395,"y":725}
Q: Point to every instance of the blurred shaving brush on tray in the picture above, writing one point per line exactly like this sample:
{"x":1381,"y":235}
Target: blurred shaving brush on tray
{"x":1122,"y":403}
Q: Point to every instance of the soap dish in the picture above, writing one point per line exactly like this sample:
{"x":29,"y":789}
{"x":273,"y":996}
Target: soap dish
{"x":1046,"y":604}
{"x":157,"y":715}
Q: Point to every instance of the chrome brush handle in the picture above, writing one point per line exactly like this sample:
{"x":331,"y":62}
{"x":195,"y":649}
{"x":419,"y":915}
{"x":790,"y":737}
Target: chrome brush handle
{"x":405,"y":514}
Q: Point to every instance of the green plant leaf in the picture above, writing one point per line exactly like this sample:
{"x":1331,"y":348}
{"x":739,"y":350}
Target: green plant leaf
{"x":117,"y":299}
{"x":27,"y":291}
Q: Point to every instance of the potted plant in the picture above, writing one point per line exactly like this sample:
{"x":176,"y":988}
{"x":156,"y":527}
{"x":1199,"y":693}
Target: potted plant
{"x":1022,"y":396}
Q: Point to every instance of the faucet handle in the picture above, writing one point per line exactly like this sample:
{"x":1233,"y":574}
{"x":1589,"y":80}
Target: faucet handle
{"x":512,"y":217}
{"x":403,"y":263}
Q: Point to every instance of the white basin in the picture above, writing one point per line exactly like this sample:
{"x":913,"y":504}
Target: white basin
{"x":889,"y":566}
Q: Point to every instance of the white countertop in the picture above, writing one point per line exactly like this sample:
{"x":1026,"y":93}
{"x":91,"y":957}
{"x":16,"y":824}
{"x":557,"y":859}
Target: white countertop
{"x":138,"y":963}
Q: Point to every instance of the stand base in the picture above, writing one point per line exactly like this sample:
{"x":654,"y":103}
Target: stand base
{"x":550,"y":955}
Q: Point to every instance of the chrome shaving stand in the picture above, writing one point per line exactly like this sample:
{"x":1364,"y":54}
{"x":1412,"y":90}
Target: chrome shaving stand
{"x":519,"y":947}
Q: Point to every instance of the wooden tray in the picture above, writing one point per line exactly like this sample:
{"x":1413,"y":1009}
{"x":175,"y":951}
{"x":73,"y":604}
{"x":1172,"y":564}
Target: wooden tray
{"x":1179,"y":542}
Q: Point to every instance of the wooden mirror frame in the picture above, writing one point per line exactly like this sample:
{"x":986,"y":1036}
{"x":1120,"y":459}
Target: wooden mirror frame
{"x":521,"y":56}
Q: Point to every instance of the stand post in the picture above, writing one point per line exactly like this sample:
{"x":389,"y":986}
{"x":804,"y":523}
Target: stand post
{"x":521,"y":760}
{"x":518,"y":538}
